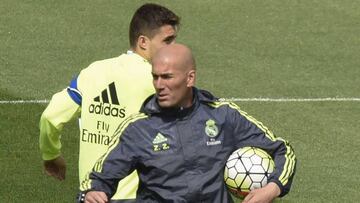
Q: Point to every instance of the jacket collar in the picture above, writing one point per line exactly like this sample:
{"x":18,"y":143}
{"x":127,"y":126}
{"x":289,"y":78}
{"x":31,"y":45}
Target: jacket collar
{"x":150,"y":105}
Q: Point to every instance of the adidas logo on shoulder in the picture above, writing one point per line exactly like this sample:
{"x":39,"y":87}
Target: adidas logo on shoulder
{"x":104,"y":106}
{"x":159,"y":139}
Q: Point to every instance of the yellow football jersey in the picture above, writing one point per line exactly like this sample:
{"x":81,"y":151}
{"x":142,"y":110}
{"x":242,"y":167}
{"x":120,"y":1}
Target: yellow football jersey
{"x":105,"y":94}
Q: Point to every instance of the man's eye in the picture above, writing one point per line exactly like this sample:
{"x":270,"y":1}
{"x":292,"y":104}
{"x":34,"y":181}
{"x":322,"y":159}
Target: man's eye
{"x":167,"y":76}
{"x":169,"y":40}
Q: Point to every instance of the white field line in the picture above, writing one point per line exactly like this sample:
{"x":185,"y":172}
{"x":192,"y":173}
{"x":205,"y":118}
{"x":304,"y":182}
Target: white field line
{"x":327,"y":99}
{"x":43,"y":101}
{"x":230,"y":99}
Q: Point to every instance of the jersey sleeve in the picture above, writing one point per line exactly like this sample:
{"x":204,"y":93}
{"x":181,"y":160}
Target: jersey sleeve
{"x":250,"y":132}
{"x":61,"y":109}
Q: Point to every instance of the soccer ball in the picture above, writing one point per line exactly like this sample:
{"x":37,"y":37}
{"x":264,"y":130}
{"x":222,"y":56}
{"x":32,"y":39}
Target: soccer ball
{"x":246,"y":169}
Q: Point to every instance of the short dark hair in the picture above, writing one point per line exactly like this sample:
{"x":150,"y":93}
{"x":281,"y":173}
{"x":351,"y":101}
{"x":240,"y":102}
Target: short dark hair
{"x":148,"y":18}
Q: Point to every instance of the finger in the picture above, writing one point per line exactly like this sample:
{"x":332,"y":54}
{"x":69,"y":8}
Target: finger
{"x":96,"y":197}
{"x":62,"y":173}
{"x":248,"y":197}
{"x":103,"y":196}
{"x":54,"y":174}
{"x":89,"y":198}
{"x":47,"y":172}
{"x":50,"y":173}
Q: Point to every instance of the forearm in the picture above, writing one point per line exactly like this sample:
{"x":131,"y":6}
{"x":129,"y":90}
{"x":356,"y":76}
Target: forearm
{"x":285,"y":163}
{"x":60,"y":110}
{"x":49,"y":140}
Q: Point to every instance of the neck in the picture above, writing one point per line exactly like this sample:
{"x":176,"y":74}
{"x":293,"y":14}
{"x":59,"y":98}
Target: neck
{"x":188,"y":100}
{"x":141,"y":52}
{"x":185,"y":109}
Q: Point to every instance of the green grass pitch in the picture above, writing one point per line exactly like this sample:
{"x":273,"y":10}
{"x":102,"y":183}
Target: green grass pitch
{"x":244,"y":49}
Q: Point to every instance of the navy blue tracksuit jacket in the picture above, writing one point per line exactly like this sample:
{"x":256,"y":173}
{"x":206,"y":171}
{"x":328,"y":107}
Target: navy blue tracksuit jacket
{"x":180,"y":154}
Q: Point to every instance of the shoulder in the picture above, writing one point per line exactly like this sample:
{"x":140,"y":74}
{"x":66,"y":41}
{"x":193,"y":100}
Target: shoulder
{"x":101,"y":64}
{"x":99,"y":69}
{"x":228,"y":109}
{"x":222,"y":103}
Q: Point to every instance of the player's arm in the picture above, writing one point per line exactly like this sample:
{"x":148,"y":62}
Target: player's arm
{"x":250,"y":132}
{"x":61,"y":109}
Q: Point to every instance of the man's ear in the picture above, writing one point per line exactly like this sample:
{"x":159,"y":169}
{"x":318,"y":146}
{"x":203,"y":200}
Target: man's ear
{"x":143,"y":42}
{"x":191,"y":78}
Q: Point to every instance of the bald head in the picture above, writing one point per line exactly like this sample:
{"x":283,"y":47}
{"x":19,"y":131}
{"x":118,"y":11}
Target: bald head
{"x":177,"y":54}
{"x":173,"y":70}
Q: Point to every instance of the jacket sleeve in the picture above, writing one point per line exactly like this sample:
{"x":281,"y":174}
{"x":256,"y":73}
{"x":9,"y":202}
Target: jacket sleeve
{"x":250,"y":132}
{"x":114,"y":165}
{"x":61,"y":109}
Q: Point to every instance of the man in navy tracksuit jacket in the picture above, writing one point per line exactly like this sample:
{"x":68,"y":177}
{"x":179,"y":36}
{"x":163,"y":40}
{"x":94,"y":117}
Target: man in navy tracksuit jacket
{"x":180,"y":142}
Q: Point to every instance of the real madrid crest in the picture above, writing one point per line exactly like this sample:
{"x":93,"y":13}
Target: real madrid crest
{"x":211,"y":129}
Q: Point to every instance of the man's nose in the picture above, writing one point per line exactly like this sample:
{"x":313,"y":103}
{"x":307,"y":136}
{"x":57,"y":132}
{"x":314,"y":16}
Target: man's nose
{"x":158,"y":83}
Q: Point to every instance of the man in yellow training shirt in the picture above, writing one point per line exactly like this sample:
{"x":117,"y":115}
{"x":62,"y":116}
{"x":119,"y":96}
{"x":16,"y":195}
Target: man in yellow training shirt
{"x":104,"y":94}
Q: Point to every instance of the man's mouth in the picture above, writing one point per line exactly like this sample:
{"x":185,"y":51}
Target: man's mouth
{"x":162,"y":96}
